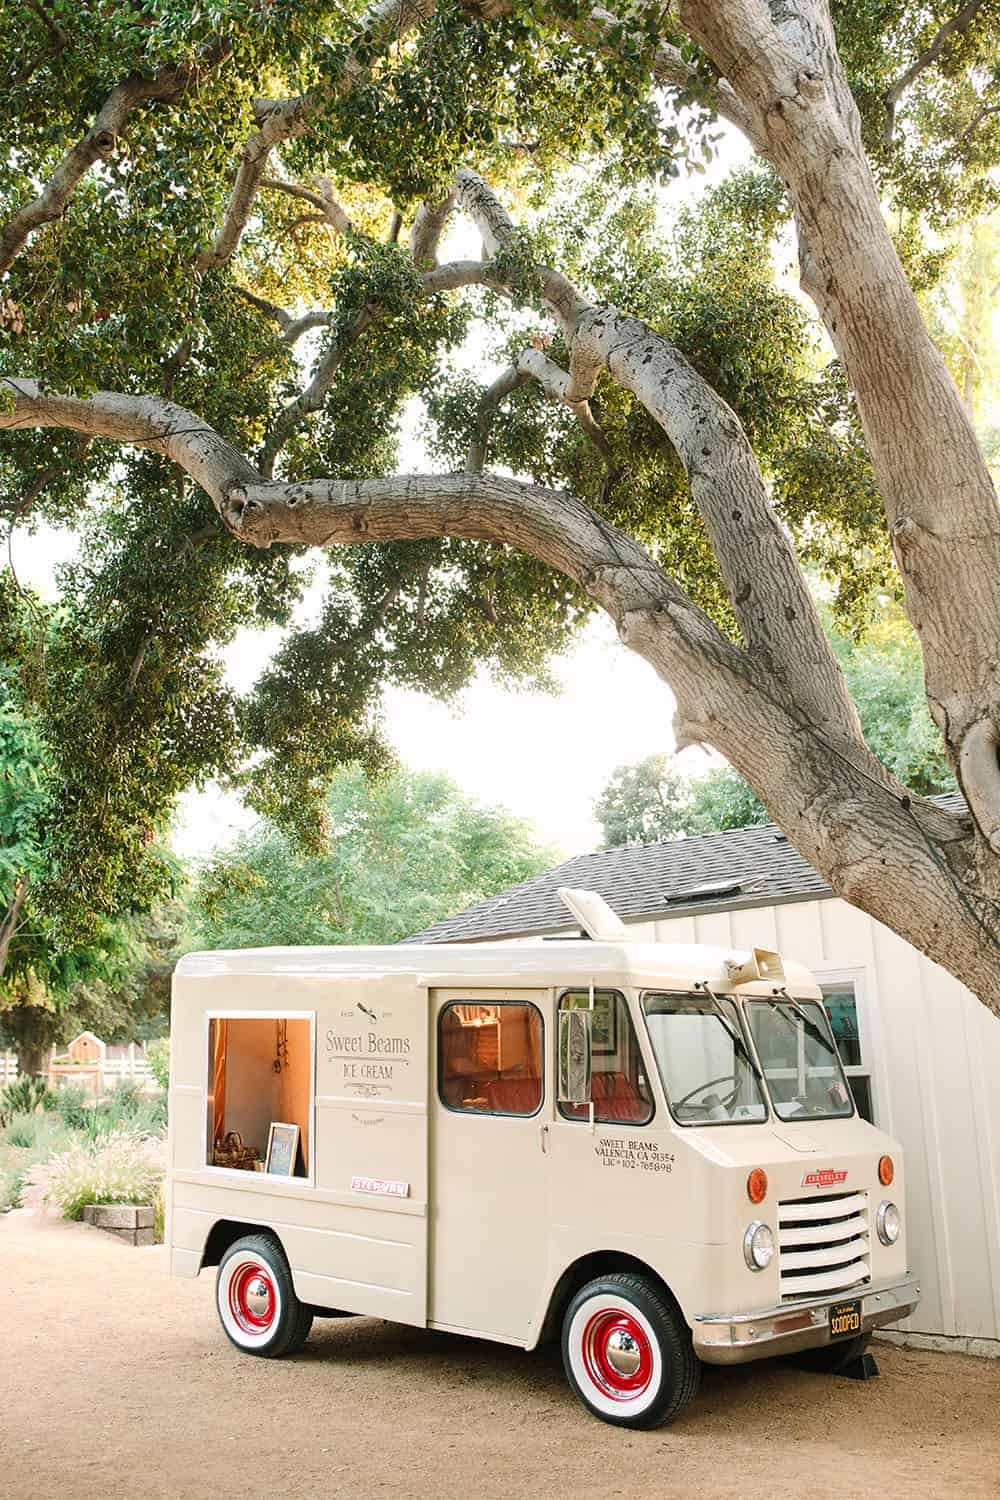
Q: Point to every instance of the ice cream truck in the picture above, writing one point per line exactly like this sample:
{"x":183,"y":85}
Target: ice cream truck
{"x":647,"y":1151}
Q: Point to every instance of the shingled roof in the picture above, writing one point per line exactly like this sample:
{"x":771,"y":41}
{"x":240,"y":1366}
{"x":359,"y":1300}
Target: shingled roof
{"x":730,"y":871}
{"x":747,"y":866}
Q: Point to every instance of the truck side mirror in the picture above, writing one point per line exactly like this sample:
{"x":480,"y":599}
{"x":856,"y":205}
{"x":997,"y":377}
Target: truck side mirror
{"x":575,"y":1056}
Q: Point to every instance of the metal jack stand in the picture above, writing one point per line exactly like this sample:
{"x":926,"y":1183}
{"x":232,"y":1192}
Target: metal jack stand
{"x":862,"y":1368}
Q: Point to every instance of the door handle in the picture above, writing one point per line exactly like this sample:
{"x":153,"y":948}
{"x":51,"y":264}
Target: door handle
{"x":543,"y":1138}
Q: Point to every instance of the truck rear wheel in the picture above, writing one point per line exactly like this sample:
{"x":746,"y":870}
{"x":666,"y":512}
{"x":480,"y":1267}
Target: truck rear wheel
{"x":256,"y":1301}
{"x":627,"y":1352}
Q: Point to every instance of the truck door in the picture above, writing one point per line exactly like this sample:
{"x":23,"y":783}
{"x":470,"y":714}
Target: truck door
{"x":489,"y":1218}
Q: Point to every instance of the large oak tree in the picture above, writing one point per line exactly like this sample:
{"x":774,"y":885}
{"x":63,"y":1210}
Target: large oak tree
{"x":183,"y":179}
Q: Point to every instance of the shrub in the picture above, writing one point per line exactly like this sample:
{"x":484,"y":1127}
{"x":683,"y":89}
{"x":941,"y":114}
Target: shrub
{"x":120,"y":1168}
{"x":40,"y":1133}
{"x":26,"y":1095}
{"x":73,"y":1105}
{"x":158,"y":1057}
{"x":10,"y":1189}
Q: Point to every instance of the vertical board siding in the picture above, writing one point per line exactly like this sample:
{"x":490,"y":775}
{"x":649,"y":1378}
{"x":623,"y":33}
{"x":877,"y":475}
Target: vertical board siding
{"x":934,"y":1055}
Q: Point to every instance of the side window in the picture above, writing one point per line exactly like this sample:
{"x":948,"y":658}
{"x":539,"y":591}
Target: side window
{"x":841,"y":1004}
{"x":619,"y":1088}
{"x":260,"y":1071}
{"x":490,"y":1058}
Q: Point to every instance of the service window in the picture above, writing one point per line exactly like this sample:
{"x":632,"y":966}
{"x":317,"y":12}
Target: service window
{"x":260,"y":1071}
{"x":619,"y":1088}
{"x":490,"y":1058}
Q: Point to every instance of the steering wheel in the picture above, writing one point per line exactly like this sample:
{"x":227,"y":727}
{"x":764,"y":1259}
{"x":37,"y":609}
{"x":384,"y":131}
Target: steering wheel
{"x":730,"y":1098}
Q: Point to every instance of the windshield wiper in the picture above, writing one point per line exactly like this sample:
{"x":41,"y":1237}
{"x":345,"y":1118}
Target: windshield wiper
{"x":809,"y":1026}
{"x":734,"y":1035}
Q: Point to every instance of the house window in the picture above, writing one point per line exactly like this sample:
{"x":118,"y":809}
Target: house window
{"x":619,"y":1088}
{"x":840,"y":1000}
{"x":490,"y":1058}
{"x":260,"y":1072}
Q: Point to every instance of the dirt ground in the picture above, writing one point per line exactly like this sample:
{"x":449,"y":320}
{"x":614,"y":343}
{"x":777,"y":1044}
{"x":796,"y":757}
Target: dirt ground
{"x":117,"y":1381}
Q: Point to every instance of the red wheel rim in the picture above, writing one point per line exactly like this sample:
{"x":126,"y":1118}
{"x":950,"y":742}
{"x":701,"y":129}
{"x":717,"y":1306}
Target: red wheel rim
{"x":617,"y":1354}
{"x":253,"y":1300}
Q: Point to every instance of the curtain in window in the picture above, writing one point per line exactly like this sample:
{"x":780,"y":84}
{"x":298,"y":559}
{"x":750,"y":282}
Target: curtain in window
{"x":219,"y":1080}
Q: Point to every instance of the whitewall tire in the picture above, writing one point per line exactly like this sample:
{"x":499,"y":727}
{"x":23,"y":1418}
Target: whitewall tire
{"x":256,"y":1301}
{"x":627,"y":1351}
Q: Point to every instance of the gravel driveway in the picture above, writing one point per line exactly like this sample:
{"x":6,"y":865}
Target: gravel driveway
{"x":116,"y":1381}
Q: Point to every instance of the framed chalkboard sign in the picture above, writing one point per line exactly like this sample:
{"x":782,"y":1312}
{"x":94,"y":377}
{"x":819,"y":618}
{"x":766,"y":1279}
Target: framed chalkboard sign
{"x":282,"y":1149}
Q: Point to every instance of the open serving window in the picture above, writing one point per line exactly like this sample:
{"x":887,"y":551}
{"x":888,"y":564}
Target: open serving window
{"x":260,"y":1093}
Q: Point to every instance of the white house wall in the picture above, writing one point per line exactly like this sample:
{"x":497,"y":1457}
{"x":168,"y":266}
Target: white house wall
{"x":934,"y":1055}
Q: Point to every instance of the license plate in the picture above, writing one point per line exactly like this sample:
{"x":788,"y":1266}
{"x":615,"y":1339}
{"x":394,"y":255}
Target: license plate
{"x":845,"y":1319}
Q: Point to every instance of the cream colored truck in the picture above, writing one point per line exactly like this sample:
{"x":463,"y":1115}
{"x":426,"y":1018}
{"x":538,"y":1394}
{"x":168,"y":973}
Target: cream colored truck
{"x":650,"y":1151}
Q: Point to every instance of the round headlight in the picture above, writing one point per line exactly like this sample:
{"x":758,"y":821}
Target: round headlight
{"x":887,"y":1222}
{"x":758,"y":1246}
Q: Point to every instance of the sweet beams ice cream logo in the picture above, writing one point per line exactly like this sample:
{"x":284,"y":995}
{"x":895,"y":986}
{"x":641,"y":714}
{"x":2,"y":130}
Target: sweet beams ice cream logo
{"x":368,"y":1059}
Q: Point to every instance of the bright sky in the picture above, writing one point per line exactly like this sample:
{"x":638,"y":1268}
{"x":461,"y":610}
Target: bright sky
{"x":545,"y":757}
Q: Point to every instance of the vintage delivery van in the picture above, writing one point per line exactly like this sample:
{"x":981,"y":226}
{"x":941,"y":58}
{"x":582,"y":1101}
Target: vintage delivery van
{"x":648,"y":1151}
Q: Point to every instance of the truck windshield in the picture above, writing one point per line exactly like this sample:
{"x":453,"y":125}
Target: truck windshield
{"x":704,"y":1062}
{"x":799,"y":1058}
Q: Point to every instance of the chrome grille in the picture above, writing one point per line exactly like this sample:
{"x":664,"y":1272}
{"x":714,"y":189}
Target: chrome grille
{"x":823,"y":1244}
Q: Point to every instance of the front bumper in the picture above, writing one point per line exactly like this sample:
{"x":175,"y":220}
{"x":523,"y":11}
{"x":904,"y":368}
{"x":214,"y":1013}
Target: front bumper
{"x":735,"y":1338}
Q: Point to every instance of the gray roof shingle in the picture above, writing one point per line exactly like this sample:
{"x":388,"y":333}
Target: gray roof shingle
{"x":758,"y":865}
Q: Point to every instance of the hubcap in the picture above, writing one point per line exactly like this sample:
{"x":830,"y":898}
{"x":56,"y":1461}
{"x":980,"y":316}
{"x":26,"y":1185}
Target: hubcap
{"x":253,"y":1300}
{"x":617,"y":1354}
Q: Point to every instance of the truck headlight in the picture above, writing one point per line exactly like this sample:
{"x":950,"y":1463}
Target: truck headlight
{"x":887,"y":1223}
{"x":758,"y":1246}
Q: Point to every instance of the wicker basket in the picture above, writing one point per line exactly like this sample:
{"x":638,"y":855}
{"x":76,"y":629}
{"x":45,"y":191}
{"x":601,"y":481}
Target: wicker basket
{"x":231,"y":1152}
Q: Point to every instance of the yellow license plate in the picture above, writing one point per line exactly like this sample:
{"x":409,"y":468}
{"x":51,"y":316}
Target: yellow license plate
{"x":845,"y":1319}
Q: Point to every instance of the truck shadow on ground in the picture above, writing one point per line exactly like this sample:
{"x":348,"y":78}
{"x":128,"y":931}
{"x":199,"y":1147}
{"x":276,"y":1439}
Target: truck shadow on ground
{"x":748,"y":1394}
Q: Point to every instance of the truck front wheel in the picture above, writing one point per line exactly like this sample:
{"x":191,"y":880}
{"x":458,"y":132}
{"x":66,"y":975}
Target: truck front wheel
{"x":256,"y":1300}
{"x":627,"y":1352}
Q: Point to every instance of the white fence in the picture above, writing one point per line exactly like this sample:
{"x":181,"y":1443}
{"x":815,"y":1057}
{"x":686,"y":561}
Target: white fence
{"x":113,"y":1069}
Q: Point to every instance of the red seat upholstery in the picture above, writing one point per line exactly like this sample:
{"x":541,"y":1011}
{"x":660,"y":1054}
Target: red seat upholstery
{"x":514,"y":1096}
{"x":615,"y":1099}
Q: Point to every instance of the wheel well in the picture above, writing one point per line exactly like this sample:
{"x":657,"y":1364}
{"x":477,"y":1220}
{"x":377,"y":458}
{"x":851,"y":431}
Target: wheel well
{"x":225,"y":1232}
{"x":597,"y":1263}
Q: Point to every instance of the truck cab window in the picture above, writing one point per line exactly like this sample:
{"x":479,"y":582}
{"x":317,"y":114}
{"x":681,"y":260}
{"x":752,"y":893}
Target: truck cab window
{"x":703,"y":1059}
{"x":490,"y":1058}
{"x":619,"y":1088}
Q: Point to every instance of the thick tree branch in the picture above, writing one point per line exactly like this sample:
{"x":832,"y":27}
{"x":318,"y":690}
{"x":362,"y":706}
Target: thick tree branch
{"x":428,"y":227}
{"x":761,"y":573}
{"x":100,"y":142}
{"x":11,"y":918}
{"x":144,"y":421}
{"x":939,"y":498}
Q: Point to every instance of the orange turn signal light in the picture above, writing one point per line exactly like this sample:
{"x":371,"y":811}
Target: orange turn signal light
{"x":757,"y":1185}
{"x":886,"y":1171}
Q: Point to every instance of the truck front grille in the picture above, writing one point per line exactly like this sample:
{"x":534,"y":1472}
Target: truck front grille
{"x":823,"y":1245}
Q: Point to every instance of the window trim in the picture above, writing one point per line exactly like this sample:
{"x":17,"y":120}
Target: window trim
{"x":491,"y":1114}
{"x":869,"y":1034}
{"x":237,"y":1174}
{"x":576,"y":989}
{"x":748,"y":1042}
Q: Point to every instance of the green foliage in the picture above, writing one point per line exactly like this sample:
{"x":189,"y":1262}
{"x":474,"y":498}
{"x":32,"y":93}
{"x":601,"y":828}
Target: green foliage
{"x":26,"y":1096}
{"x":400,"y":853}
{"x":114,"y":702}
{"x":158,"y":1057}
{"x":74,"y":1103}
